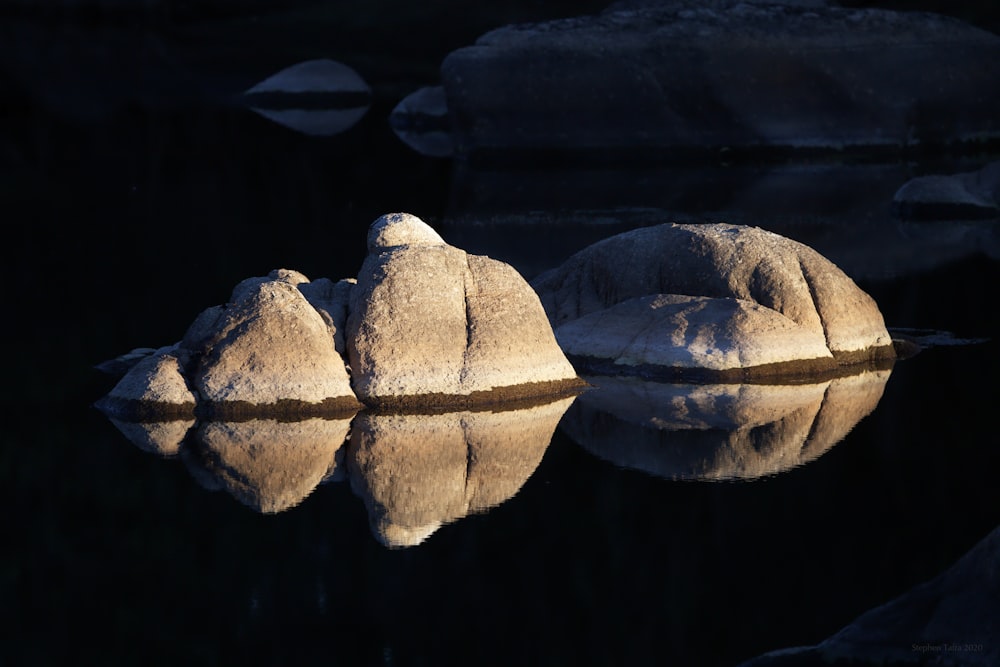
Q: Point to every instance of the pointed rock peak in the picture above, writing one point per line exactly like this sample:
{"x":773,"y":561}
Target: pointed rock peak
{"x":401,"y":229}
{"x":290,"y":276}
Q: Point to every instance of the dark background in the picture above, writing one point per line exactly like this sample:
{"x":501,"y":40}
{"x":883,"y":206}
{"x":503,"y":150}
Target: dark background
{"x":135,"y":195}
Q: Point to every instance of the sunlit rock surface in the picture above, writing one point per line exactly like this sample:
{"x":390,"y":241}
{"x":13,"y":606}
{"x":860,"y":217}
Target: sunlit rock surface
{"x":268,"y":351}
{"x":949,"y":621}
{"x":269,"y":344}
{"x":685,"y":75}
{"x":418,"y":472}
{"x":766,"y":306}
{"x":430,"y":324}
{"x":154,"y":386}
{"x":271,"y":465}
{"x":718,"y":431}
{"x":968,"y":195}
{"x":693,"y":333}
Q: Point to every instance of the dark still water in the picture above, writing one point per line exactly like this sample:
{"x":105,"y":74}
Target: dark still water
{"x":123,"y":224}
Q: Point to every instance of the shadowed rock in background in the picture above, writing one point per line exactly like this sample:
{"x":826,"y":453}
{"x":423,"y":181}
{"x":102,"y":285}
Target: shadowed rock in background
{"x":317,"y":97}
{"x":948,"y":621}
{"x":683,"y":79}
{"x":973,"y":195}
{"x":420,"y":120}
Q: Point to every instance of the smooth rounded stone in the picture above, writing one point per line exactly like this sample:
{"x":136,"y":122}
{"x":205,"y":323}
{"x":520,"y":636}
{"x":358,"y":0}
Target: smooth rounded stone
{"x":417,"y":472}
{"x":268,"y":347}
{"x":692,"y":333}
{"x":965,"y":196}
{"x":718,"y":431}
{"x":430,"y":324}
{"x":395,"y":230}
{"x":270,"y":465}
{"x":155,"y":388}
{"x":949,"y":620}
{"x":743,"y":77}
{"x":721,"y":261}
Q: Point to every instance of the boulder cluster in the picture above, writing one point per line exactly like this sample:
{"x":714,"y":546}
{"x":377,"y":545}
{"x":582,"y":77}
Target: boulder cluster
{"x":425,"y":325}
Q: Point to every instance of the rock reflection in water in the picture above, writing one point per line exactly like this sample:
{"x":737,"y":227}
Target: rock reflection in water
{"x":161,"y":438}
{"x":417,"y":473}
{"x":268,"y":465}
{"x":720,"y":431}
{"x":414,"y":472}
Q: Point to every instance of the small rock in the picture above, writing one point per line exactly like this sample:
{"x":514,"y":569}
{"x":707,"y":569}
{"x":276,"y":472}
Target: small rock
{"x":155,"y":388}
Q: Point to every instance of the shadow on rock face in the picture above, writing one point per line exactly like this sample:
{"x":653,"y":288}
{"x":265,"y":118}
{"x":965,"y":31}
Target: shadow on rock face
{"x":718,"y":431}
{"x":417,"y":473}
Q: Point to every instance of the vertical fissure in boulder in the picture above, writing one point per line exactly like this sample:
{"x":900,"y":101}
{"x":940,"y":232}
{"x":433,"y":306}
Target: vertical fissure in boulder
{"x":469,"y":290}
{"x":816,"y":305}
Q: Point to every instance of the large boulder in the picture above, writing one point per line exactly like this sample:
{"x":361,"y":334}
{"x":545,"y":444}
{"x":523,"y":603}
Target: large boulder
{"x":430,"y":324}
{"x":718,"y":301}
{"x":726,"y":75}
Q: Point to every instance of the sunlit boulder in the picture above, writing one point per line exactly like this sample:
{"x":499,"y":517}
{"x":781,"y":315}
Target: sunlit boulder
{"x":431,"y":324}
{"x":153,"y":386}
{"x":728,"y":75}
{"x":714,"y":301}
{"x":718,"y":431}
{"x":268,"y":347}
{"x":418,"y":472}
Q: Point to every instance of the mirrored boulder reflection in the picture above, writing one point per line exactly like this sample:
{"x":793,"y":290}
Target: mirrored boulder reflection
{"x":718,"y":432}
{"x":414,"y":472}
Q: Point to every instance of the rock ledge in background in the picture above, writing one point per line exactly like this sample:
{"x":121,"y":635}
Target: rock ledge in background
{"x":731,"y":75}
